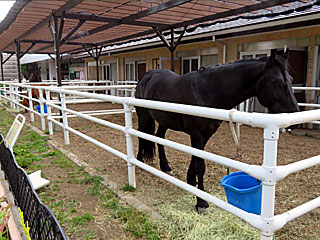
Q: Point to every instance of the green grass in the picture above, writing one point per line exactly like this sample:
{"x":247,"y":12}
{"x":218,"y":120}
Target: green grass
{"x":85,"y":218}
{"x":68,"y":212}
{"x":128,"y":188}
{"x":136,"y":222}
{"x":95,"y":184}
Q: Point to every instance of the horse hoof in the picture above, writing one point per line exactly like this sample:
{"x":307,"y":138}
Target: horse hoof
{"x":202,"y":210}
{"x":169,"y":173}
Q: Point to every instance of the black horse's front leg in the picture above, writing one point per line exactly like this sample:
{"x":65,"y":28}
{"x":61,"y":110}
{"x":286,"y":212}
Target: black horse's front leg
{"x":197,"y":168}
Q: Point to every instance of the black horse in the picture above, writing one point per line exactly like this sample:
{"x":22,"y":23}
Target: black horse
{"x":223,"y":86}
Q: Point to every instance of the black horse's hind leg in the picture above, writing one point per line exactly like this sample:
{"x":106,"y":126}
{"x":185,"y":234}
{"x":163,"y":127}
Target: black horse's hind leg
{"x":197,"y":168}
{"x":145,"y":124}
{"x":164,"y":166}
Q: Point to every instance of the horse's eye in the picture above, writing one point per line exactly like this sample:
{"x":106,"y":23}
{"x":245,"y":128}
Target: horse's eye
{"x":277,"y":83}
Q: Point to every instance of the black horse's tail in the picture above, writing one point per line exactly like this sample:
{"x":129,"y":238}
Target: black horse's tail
{"x":146,"y":123}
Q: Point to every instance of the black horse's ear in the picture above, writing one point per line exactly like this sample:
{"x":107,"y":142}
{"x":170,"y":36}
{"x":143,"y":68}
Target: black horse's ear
{"x":273,"y":56}
{"x":272,"y":59}
{"x":286,"y":54}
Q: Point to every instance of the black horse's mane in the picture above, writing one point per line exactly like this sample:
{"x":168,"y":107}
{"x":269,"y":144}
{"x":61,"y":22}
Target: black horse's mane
{"x":279,"y":60}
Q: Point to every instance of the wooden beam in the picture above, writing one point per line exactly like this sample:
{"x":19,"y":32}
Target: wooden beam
{"x":67,"y":6}
{"x":131,"y":18}
{"x":28,"y":49}
{"x":95,"y":18}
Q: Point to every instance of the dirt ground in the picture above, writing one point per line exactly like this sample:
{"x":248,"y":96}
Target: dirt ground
{"x":290,"y":192}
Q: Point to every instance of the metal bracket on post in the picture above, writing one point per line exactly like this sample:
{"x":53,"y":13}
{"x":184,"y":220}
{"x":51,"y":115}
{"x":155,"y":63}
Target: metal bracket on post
{"x":130,"y":152}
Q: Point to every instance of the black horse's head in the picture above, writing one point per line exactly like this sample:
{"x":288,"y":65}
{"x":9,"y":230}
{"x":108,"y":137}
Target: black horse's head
{"x":274,"y":88}
{"x":35,"y":75}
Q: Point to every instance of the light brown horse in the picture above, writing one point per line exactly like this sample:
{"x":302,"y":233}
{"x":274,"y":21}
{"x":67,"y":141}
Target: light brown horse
{"x":35,"y":77}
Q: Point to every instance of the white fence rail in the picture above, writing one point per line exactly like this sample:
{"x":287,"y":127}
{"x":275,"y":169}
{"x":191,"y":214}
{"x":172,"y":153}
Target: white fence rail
{"x":269,"y":172}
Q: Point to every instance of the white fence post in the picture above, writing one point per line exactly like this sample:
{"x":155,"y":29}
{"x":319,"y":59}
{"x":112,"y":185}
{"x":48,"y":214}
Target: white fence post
{"x":64,"y":118}
{"x":11,"y":96}
{"x":41,"y":100}
{"x":14,"y":96}
{"x":271,"y":136}
{"x":48,"y":101}
{"x":17,"y":99}
{"x":30,"y":104}
{"x":2,"y":91}
{"x":113,"y":91}
{"x":130,"y":152}
{"x":5,"y":95}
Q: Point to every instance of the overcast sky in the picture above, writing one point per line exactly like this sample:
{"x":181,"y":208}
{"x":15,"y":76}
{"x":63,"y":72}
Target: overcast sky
{"x":4,"y":8}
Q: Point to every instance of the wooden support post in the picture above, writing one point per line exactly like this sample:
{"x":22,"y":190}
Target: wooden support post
{"x":55,"y":34}
{"x":97,"y":63}
{"x":1,"y":62}
{"x":172,"y":45}
{"x":18,"y":51}
{"x":95,"y":54}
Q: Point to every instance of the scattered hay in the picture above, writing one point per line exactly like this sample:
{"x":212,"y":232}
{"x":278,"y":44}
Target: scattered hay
{"x":180,"y":221}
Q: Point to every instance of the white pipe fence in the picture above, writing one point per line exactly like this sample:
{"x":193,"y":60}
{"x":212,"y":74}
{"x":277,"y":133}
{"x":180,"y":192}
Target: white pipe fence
{"x":269,"y":172}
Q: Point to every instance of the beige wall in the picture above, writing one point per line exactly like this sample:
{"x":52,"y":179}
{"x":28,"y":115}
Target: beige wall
{"x":156,"y":53}
{"x":231,"y":48}
{"x":310,"y":32}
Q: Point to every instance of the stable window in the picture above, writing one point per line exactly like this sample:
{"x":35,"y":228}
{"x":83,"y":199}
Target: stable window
{"x":254,"y":54}
{"x":106,"y":72}
{"x":130,"y":71}
{"x":190,"y":64}
{"x":156,"y":63}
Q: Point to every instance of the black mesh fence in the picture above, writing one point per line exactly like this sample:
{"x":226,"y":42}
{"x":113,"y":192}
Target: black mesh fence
{"x":42,"y":222}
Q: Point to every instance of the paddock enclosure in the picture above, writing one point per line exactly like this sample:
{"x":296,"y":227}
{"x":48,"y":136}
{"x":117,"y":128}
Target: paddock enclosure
{"x":298,"y":188}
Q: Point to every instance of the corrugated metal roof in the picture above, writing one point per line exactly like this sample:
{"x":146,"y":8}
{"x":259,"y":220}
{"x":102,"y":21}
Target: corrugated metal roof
{"x":128,"y":19}
{"x":262,"y":16}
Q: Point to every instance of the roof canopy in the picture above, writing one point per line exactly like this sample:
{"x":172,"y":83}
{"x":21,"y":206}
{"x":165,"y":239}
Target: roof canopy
{"x":106,"y":22}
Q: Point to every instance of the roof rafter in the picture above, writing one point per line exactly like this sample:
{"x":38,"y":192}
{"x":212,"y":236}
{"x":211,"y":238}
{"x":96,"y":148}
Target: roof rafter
{"x":51,"y":42}
{"x":70,"y":4}
{"x":241,"y":10}
{"x":92,"y":17}
{"x":131,"y":18}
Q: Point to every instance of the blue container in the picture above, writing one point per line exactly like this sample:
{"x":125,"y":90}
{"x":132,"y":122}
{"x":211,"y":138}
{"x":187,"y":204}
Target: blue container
{"x":44,"y":107}
{"x":243,"y":191}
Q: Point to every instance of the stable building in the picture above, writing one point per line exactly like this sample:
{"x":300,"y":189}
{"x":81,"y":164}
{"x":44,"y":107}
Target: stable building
{"x":252,"y":36}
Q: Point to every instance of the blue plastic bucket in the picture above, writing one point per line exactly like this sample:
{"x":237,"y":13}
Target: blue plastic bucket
{"x":243,"y":191}
{"x":44,"y":107}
